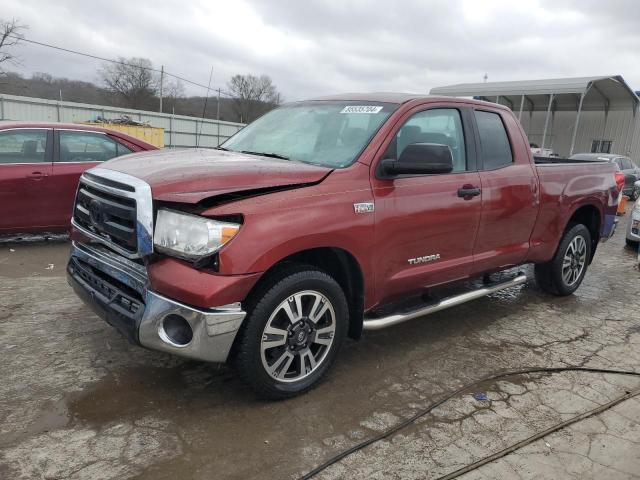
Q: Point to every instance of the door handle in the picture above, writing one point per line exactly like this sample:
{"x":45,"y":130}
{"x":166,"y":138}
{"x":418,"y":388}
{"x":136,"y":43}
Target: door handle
{"x":36,"y":175}
{"x":468,"y":192}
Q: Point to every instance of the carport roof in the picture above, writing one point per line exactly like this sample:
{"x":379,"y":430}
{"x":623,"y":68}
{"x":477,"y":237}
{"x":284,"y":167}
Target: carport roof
{"x":610,"y":92}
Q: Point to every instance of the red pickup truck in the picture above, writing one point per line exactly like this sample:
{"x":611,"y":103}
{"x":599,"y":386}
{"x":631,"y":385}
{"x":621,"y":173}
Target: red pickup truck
{"x":40,"y":164}
{"x":319,"y":220}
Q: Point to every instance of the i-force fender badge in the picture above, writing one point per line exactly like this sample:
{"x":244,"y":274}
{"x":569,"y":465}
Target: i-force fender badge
{"x":363,"y":207}
{"x":425,"y":259}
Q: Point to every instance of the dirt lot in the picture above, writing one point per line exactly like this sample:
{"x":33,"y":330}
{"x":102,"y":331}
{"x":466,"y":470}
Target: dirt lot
{"x":78,"y":402}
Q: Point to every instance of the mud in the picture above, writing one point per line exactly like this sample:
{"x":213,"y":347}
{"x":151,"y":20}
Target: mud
{"x":77,"y":401}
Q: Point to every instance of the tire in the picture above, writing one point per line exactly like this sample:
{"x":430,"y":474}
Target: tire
{"x":564,"y":273}
{"x":631,"y":243}
{"x":282,"y":365}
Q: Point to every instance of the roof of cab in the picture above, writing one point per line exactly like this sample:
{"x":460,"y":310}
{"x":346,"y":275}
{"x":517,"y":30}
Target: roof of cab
{"x":74,"y":126}
{"x":399,"y":98}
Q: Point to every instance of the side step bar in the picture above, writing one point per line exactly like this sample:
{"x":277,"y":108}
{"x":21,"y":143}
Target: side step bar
{"x":384,"y":322}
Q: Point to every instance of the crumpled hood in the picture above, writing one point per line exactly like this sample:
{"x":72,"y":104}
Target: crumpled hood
{"x":192,"y":175}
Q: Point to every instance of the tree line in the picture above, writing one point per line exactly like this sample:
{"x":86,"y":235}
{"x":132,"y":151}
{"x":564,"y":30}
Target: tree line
{"x":135,"y":83}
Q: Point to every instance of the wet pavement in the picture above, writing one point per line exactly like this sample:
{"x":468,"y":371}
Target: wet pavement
{"x":78,"y":402}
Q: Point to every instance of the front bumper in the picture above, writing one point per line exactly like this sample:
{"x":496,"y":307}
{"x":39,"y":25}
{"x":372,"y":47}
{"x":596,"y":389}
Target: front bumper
{"x":116,"y":289}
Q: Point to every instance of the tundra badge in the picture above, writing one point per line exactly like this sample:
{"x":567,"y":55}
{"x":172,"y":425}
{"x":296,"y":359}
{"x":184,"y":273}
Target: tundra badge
{"x":364,"y":207}
{"x":425,"y":259}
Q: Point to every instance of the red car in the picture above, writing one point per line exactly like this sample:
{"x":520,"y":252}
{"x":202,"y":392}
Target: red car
{"x":319,"y":221}
{"x":40,"y":164}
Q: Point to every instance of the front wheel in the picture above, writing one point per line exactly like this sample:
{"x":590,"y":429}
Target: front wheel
{"x":566,"y":270}
{"x":293,"y":331}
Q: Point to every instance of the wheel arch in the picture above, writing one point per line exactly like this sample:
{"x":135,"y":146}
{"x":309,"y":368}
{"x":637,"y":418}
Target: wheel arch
{"x":590,"y":216}
{"x":341,"y":264}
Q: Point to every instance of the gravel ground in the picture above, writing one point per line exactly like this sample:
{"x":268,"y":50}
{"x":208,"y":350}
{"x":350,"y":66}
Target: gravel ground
{"x":78,"y":402}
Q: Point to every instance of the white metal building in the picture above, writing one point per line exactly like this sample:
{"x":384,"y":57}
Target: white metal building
{"x":567,"y":115}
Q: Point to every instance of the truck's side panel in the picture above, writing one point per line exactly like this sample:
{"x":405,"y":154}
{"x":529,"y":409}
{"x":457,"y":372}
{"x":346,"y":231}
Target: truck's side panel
{"x":282,"y":224}
{"x":565,"y":189}
{"x":510,"y":198}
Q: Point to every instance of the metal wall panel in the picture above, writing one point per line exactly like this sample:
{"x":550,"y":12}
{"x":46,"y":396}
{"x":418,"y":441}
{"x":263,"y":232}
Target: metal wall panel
{"x":179,"y":130}
{"x":619,"y":128}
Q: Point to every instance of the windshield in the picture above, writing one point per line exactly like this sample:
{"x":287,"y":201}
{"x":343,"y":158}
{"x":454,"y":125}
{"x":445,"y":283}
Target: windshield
{"x":330,"y":134}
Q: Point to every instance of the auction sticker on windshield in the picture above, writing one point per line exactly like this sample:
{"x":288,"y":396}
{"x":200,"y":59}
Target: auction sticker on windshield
{"x":361,"y":109}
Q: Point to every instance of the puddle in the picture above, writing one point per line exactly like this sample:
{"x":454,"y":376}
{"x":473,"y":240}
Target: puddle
{"x":127,"y":393}
{"x":54,"y":415}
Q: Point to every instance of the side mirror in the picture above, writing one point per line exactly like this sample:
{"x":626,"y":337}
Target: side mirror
{"x":420,"y":159}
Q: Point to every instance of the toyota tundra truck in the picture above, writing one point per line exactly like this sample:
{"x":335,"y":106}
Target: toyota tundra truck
{"x":324,"y":219}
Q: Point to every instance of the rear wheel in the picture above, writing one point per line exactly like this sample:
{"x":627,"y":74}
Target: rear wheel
{"x":566,"y":270}
{"x":631,"y":243}
{"x":293,"y":331}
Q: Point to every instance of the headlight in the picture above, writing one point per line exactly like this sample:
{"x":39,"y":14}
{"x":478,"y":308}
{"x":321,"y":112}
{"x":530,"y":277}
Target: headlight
{"x":189,"y":236}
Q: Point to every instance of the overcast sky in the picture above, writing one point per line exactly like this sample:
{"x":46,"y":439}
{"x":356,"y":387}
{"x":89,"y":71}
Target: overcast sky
{"x":314,"y":47}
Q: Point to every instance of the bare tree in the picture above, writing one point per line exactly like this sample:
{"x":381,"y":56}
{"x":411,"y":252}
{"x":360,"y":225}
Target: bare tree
{"x":10,"y":36}
{"x":173,"y":91}
{"x":132,"y":80}
{"x":252,"y":96}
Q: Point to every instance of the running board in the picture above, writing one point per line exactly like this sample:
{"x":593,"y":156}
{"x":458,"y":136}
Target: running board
{"x":384,"y":322}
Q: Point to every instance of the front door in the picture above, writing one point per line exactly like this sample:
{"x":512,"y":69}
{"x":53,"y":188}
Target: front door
{"x":25,"y":169}
{"x":425,"y":224}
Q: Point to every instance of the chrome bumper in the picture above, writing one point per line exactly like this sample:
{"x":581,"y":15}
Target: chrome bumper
{"x":117,"y":290}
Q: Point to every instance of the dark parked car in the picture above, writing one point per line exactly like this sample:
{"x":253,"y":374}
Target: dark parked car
{"x":40,"y":164}
{"x":624,"y":164}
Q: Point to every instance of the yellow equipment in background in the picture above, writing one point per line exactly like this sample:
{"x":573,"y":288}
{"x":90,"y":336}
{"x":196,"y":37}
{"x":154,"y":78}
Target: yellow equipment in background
{"x":152,"y":135}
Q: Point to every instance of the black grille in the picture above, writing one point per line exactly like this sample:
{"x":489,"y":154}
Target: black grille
{"x":110,"y":216}
{"x":114,"y":291}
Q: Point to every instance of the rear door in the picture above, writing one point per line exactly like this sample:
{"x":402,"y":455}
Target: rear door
{"x":509,"y":192}
{"x":25,"y":170}
{"x":75,"y":152}
{"x":425,"y":228}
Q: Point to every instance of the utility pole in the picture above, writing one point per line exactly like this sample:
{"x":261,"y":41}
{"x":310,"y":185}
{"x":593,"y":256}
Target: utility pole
{"x":161,"y":79}
{"x":218,"y":118}
{"x":204,"y":108}
{"x":218,"y":112}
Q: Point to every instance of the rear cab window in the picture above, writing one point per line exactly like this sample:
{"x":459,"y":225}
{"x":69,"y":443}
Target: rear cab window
{"x":494,"y":142}
{"x":23,"y":146}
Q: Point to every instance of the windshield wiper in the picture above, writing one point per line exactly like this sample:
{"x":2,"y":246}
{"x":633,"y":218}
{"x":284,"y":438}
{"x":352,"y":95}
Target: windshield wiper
{"x":221,"y":148}
{"x":265,"y":154}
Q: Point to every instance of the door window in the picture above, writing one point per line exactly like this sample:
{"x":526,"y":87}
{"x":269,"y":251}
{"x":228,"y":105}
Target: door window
{"x":123,"y":150}
{"x":626,"y":164}
{"x":23,"y":146}
{"x":494,"y":142}
{"x":442,"y":126}
{"x":86,"y":147}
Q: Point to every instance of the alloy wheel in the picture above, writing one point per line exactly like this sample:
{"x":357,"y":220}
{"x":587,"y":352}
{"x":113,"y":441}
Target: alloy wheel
{"x":298,"y":336}
{"x":574,"y":261}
